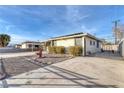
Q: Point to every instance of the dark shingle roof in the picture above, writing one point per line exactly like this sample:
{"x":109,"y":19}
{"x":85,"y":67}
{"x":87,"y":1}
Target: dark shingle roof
{"x":69,"y":35}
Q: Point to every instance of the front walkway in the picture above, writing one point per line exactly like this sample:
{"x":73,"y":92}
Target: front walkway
{"x":76,"y":72}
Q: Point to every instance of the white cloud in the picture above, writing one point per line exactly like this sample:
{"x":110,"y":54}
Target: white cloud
{"x":74,"y":15}
{"x":89,"y":30}
{"x":3,"y":21}
{"x":18,"y":39}
{"x":8,"y":27}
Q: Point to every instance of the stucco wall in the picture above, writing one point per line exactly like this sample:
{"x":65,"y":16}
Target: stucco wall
{"x":110,"y":47}
{"x":24,"y":46}
{"x":66,"y":42}
{"x":121,"y":48}
{"x":92,"y":48}
{"x":71,"y":42}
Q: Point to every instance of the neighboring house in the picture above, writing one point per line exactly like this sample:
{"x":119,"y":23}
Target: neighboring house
{"x":110,"y":47}
{"x":89,"y":43}
{"x":121,"y":47}
{"x":30,"y":45}
{"x":18,"y":46}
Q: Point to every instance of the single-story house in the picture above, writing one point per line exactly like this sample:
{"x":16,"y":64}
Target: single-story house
{"x":121,"y":47}
{"x":30,"y":45}
{"x":89,"y":43}
{"x":18,"y":45}
{"x":110,"y":47}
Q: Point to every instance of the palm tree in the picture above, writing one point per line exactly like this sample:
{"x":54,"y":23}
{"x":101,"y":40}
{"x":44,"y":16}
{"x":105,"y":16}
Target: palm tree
{"x":4,"y":40}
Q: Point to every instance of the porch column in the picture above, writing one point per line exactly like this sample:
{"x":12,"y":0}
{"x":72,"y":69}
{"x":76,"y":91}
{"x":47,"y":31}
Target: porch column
{"x":51,"y":43}
{"x":83,"y":46}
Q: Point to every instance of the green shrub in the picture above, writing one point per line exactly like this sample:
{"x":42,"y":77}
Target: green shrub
{"x":52,"y":49}
{"x":71,"y":50}
{"x":56,"y":49}
{"x":78,"y":50}
{"x":75,"y":50}
{"x":60,"y":50}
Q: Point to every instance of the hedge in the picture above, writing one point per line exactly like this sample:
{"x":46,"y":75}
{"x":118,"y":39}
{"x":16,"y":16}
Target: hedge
{"x":75,"y":50}
{"x":56,"y":49}
{"x":60,"y":50}
{"x":52,"y":49}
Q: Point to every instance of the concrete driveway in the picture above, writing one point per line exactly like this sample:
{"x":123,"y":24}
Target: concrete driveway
{"x":76,"y":72}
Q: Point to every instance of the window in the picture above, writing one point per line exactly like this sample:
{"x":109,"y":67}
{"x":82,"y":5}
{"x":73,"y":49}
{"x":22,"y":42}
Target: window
{"x":54,"y":43}
{"x":78,"y":41}
{"x":90,"y":42}
{"x":97,"y":44}
{"x":94,"y":43}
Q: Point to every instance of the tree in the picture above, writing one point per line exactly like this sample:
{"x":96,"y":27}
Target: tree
{"x":4,"y":40}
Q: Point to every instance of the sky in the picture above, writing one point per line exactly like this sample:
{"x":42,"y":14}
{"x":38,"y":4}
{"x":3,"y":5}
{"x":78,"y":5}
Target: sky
{"x":37,"y":23}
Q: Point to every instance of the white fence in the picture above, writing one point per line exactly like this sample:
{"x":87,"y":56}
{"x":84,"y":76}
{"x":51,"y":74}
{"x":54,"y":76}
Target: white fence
{"x":110,"y":47}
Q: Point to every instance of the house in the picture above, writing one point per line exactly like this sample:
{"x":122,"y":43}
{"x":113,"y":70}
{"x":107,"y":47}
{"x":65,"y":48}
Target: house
{"x":121,"y":47}
{"x":30,"y":45}
{"x":18,"y":46}
{"x":110,"y":47}
{"x":89,"y":43}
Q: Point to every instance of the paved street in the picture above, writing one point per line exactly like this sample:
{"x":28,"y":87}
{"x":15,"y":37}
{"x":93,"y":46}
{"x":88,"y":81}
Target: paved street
{"x":14,"y":52}
{"x":9,"y":55}
{"x":75,"y":72}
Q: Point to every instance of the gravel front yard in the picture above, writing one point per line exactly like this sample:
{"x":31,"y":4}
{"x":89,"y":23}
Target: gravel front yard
{"x":18,"y":65}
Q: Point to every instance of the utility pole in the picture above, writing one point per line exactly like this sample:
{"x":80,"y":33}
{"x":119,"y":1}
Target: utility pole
{"x":115,"y":30}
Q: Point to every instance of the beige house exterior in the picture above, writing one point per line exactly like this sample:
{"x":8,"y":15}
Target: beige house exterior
{"x":30,"y":45}
{"x":18,"y":46}
{"x":108,"y":47}
{"x":89,"y":43}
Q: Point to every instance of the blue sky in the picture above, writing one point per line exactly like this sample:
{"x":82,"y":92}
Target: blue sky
{"x":43,"y":22}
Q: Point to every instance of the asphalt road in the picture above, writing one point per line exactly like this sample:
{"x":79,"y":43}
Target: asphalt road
{"x":12,"y":50}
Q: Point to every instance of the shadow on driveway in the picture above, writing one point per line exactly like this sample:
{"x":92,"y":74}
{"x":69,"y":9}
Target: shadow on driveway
{"x":67,"y":75}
